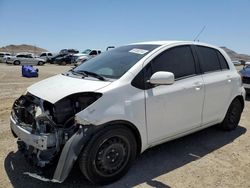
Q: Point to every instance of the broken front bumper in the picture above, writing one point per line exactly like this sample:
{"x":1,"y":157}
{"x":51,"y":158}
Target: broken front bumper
{"x":70,"y":150}
{"x":41,"y":142}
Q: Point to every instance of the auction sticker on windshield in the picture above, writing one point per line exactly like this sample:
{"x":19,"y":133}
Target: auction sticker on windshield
{"x":138,"y":51}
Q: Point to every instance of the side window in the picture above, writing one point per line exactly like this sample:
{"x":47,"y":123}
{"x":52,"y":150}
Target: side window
{"x":223,"y":62}
{"x":20,"y":56}
{"x":178,"y":60}
{"x":42,"y":55}
{"x":208,"y":59}
{"x":140,"y":80}
{"x":49,"y":54}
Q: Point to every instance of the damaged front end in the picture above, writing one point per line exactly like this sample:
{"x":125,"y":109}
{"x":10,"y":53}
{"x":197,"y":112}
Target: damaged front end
{"x":47,"y":133}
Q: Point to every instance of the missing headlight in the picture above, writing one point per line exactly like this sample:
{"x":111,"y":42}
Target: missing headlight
{"x":64,"y":110}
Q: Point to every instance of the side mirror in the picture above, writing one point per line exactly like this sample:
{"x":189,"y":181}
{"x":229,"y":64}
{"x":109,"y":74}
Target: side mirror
{"x":162,"y":78}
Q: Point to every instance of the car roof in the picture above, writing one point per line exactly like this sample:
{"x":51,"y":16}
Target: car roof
{"x":170,"y":42}
{"x":24,"y":53}
{"x":167,"y":42}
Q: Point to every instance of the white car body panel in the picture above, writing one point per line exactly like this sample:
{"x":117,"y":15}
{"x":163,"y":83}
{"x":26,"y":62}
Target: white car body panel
{"x":178,"y":104}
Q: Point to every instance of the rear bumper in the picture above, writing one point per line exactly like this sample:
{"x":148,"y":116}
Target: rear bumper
{"x":41,"y":142}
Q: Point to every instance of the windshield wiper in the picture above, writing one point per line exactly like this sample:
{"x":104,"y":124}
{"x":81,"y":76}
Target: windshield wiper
{"x":93,"y":74}
{"x":78,"y":73}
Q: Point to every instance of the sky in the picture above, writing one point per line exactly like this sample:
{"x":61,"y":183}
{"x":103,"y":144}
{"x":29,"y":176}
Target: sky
{"x":80,"y":24}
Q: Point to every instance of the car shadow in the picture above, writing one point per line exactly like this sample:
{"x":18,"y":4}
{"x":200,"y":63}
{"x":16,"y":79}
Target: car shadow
{"x":151,"y":164}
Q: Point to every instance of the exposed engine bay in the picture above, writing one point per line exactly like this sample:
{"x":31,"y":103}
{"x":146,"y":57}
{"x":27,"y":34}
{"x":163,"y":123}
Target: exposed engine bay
{"x":44,"y":128}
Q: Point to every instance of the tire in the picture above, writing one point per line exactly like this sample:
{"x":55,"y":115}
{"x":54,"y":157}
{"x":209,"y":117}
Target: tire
{"x":233,"y":115}
{"x":108,"y":155}
{"x":16,"y":63}
{"x":63,"y":63}
{"x":40,"y":63}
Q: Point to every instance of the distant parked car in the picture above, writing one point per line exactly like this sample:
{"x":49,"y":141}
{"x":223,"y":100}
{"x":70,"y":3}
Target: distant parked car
{"x":68,"y":51}
{"x":64,"y":59}
{"x":87,"y":54}
{"x":236,"y":63}
{"x":46,"y":56}
{"x":3,"y":55}
{"x":245,"y":74}
{"x":25,"y":59}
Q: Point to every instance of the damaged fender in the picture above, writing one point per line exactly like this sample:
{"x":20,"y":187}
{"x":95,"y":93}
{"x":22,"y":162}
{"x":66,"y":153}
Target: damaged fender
{"x":70,"y":152}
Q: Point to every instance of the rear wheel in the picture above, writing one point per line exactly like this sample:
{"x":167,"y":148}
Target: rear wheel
{"x":16,"y":63}
{"x":233,"y":115}
{"x":40,"y":63}
{"x":108,"y":155}
{"x":63,"y":63}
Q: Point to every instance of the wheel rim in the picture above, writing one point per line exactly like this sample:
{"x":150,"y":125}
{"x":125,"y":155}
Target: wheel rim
{"x":112,"y":156}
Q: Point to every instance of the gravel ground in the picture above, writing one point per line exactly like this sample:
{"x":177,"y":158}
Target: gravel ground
{"x":209,"y":158}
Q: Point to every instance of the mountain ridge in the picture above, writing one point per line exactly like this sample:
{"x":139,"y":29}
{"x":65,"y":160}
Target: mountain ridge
{"x":37,"y":50}
{"x":22,"y":48}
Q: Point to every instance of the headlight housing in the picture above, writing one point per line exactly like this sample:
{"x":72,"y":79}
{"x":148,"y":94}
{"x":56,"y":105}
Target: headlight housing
{"x":66,"y":108}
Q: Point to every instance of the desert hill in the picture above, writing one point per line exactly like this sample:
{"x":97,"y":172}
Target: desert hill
{"x":22,"y":48}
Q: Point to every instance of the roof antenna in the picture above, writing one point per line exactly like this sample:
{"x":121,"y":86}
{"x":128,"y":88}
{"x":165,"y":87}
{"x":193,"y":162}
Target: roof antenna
{"x":204,"y":27}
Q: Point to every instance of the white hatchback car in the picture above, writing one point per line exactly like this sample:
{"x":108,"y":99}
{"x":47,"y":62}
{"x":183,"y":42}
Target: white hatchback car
{"x":118,"y":104}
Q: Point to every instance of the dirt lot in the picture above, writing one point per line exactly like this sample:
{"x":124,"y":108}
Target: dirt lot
{"x":209,"y":158}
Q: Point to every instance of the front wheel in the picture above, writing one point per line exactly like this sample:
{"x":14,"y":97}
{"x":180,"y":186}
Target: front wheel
{"x":108,"y":155}
{"x":16,"y":62}
{"x":233,"y":115}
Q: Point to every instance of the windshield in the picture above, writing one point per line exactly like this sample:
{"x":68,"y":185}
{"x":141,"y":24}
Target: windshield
{"x":114,"y":63}
{"x":86,"y":51}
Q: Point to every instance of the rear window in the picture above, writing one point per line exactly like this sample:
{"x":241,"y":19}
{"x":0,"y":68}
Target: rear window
{"x":208,"y":59}
{"x":223,"y":62}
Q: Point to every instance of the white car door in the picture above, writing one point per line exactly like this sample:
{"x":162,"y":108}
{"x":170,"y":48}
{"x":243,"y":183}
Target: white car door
{"x":177,"y":108}
{"x":31,"y":60}
{"x":218,"y":84}
{"x":25,"y":60}
{"x":21,"y":58}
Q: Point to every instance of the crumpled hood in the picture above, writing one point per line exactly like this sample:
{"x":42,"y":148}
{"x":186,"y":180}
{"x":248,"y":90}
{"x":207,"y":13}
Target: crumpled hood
{"x":57,"y":87}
